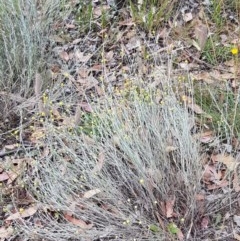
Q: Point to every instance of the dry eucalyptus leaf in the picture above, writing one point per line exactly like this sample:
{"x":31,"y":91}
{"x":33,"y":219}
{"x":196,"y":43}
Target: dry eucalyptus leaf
{"x":78,"y":222}
{"x":24,"y":214}
{"x":169,"y":207}
{"x":4,"y":176}
{"x":64,"y":55}
{"x":11,"y":147}
{"x":91,"y":193}
{"x":81,"y":57}
{"x":29,"y":212}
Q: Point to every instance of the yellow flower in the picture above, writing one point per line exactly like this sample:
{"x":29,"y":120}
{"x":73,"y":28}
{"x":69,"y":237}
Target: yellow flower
{"x":141,"y":181}
{"x":234,"y":51}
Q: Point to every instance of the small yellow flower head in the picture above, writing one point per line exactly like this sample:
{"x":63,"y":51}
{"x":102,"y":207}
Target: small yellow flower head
{"x":141,"y":181}
{"x":234,"y":50}
{"x":21,"y":210}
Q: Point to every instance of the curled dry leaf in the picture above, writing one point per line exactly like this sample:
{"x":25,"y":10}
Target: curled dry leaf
{"x":210,"y":174}
{"x":206,"y":137}
{"x":78,"y":222}
{"x":227,"y":160}
{"x":91,"y":193}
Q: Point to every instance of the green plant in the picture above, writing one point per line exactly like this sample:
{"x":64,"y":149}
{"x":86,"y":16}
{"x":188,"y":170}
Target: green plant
{"x":222,"y":105}
{"x":150,"y":14}
{"x":214,"y":53}
{"x":216,"y":14}
{"x":84,"y":15}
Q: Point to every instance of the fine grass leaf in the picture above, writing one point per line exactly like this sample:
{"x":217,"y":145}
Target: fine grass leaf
{"x":91,"y":193}
{"x":78,"y":222}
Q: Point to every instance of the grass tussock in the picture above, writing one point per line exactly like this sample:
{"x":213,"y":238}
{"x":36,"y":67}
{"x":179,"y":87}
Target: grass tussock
{"x":25,"y":27}
{"x":139,"y":156}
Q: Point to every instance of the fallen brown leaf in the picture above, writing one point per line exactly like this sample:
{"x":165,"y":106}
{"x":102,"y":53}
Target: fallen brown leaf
{"x":210,"y":174}
{"x":78,"y":222}
{"x":200,"y":197}
{"x":64,"y":55}
{"x":81,"y":57}
{"x":169,"y":207}
{"x":204,"y":222}
{"x":11,"y":147}
{"x":4,"y":176}
{"x":24,"y":214}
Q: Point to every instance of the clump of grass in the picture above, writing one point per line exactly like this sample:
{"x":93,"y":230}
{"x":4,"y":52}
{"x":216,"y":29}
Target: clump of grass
{"x":222,"y":105}
{"x":25,"y":27}
{"x":143,"y":155}
{"x":214,"y":52}
{"x":150,"y":14}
